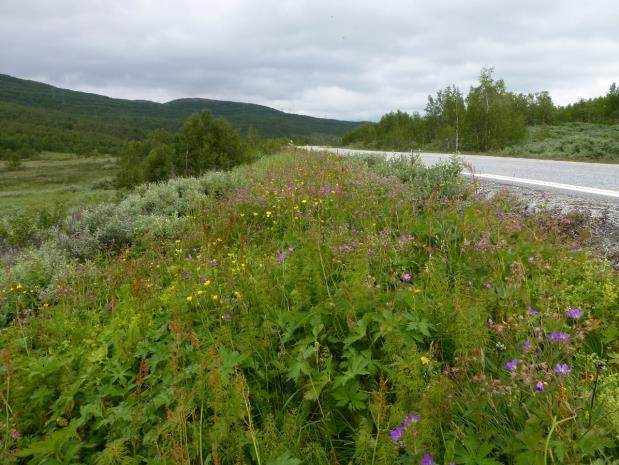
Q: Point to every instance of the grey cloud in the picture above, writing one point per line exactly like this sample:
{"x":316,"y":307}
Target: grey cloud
{"x":344,"y":59}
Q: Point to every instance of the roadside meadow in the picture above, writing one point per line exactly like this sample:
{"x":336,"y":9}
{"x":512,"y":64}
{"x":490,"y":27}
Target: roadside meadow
{"x":302,"y":309}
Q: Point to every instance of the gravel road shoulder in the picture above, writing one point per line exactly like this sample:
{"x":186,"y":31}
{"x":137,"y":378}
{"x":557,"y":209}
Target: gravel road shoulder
{"x":593,"y":223}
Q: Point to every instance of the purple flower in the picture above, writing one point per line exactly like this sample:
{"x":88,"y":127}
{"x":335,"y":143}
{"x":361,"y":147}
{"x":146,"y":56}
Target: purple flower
{"x":511,"y":365}
{"x":396,"y":434}
{"x":280,"y":256}
{"x":186,"y":274}
{"x":411,"y":418}
{"x":427,"y":460}
{"x":574,"y":313}
{"x":526,"y":346}
{"x":227,"y":316}
{"x":558,"y":337}
{"x":563,"y":370}
{"x":406,"y":278}
{"x":203,"y":279}
{"x":15,"y":434}
{"x":532,"y":312}
{"x":539,"y":387}
{"x":488,"y":285}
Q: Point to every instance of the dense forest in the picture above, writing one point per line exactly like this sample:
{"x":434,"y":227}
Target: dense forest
{"x":36,"y":116}
{"x":488,"y":118}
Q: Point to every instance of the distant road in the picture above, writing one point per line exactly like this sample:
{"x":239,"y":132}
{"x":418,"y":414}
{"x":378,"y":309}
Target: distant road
{"x":589,"y":180}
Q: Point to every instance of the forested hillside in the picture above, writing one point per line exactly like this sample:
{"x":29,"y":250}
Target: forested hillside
{"x":37,"y":116}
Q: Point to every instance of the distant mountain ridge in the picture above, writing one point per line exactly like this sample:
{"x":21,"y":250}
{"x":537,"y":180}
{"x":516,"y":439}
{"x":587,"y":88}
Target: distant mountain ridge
{"x":121,"y":119}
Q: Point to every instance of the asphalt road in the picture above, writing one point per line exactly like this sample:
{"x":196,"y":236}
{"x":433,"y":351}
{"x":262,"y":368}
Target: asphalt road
{"x":587,"y":180}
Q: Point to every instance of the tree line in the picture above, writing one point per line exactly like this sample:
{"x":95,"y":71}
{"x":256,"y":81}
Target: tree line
{"x":488,"y":118}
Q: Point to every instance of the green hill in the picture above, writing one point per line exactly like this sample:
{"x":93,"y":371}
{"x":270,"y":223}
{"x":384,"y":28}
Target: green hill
{"x":46,"y":117}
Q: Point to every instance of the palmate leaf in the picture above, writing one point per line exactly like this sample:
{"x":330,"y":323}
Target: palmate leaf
{"x":285,"y":459}
{"x":351,"y":396}
{"x":357,"y":364}
{"x":230,"y":360}
{"x":419,"y":327}
{"x":472,"y":452}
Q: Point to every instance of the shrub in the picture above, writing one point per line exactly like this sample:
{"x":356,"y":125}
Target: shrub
{"x":442,"y":179}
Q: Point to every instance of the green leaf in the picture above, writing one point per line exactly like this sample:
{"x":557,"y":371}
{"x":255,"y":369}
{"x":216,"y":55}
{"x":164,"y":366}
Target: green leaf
{"x":230,"y":360}
{"x":351,"y":396}
{"x":285,"y":459}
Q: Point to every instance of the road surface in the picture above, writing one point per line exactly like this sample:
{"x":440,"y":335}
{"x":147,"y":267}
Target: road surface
{"x":587,"y":180}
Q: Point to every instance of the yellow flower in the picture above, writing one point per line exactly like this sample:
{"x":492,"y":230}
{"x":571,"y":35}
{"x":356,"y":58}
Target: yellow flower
{"x":18,"y":286}
{"x":207,"y":282}
{"x":424,"y":360}
{"x":177,"y":241}
{"x":189,"y":298}
{"x":237,"y":294}
{"x":416,"y":291}
{"x":200,"y":292}
{"x":268,"y":214}
{"x":214,"y":296}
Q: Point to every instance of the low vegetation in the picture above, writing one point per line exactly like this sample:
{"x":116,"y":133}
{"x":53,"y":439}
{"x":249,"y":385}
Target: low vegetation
{"x":309,"y":309}
{"x":35,"y":194}
{"x":570,"y":141}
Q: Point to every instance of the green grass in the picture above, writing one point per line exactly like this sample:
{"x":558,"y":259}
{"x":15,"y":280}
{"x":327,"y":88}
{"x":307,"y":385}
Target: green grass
{"x":296,"y":313}
{"x":570,"y":141}
{"x":54,"y":178}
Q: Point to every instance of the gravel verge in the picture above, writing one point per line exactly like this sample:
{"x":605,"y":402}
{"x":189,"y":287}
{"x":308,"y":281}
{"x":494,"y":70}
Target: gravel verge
{"x":593,"y":223}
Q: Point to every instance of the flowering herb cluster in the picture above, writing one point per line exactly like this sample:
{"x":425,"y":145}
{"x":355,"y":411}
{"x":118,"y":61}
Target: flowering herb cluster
{"x":301,"y":313}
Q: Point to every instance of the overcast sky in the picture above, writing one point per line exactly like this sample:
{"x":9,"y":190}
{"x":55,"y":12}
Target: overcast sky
{"x":342,"y":59}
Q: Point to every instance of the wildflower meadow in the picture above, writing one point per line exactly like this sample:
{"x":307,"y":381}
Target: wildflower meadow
{"x":316,"y":310}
